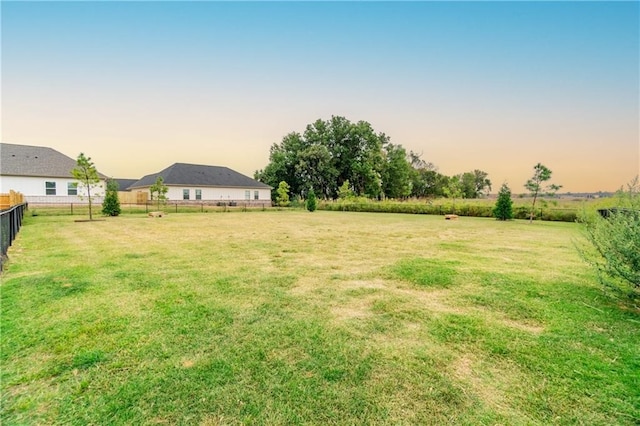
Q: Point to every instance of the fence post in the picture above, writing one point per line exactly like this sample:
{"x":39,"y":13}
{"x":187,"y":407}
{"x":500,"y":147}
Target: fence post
{"x":71,"y":209}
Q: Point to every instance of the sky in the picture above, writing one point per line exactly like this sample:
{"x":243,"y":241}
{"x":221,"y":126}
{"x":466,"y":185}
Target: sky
{"x":495,"y":86}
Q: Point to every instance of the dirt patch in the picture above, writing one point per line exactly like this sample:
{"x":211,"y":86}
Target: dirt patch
{"x":364,"y":284}
{"x":354,"y":309}
{"x":433,"y":300}
{"x":464,"y":370}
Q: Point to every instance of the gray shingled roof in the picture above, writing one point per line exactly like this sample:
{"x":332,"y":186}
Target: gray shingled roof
{"x":26,"y":160}
{"x":182,"y":174}
{"x":124,"y":184}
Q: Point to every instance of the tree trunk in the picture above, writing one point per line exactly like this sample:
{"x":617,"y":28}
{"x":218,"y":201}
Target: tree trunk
{"x":533,"y":207}
{"x":89,"y":195}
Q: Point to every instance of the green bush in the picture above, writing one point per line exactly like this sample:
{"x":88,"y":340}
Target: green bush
{"x":559,"y":215}
{"x":614,"y":238}
{"x":417,"y":207}
{"x":311,"y":203}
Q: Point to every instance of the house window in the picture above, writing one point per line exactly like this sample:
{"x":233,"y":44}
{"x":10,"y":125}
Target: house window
{"x":185,"y":194}
{"x":198,"y":194}
{"x":247,"y":195}
{"x":72,"y":188}
{"x":256,"y":195}
{"x":50,"y":188}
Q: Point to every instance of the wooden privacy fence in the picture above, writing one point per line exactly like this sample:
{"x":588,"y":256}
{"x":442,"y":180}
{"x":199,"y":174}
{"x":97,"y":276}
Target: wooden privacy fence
{"x":11,"y":199}
{"x":137,"y":197}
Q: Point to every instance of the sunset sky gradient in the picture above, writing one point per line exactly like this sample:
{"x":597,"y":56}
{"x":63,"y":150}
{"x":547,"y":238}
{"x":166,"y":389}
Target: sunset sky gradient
{"x":496,"y":86}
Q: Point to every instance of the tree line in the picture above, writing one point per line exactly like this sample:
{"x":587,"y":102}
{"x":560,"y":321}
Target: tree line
{"x":337,"y":155}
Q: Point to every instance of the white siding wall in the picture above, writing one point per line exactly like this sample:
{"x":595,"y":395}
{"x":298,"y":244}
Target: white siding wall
{"x":35,"y":187}
{"x":215,"y":194}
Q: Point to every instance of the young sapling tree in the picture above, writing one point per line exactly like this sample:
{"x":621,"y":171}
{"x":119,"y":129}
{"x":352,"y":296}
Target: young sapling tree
{"x":87,"y":175}
{"x":453,"y":190}
{"x":541,"y":174}
{"x":160,"y":190}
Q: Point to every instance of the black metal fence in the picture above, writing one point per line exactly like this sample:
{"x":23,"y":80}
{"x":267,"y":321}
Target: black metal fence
{"x":10,"y":223}
{"x":607,"y":213}
{"x":78,"y":209}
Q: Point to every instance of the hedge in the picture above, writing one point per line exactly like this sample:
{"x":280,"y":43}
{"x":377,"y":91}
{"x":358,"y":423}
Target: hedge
{"x":521,"y":212}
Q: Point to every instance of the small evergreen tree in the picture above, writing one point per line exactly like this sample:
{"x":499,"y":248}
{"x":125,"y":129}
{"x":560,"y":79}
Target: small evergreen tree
{"x":111,"y":203}
{"x":311,"y":201}
{"x":283,"y":194}
{"x":503,"y":210}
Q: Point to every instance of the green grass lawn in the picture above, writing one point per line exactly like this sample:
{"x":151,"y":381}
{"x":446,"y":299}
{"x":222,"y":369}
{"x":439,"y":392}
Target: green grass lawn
{"x":290,"y":317}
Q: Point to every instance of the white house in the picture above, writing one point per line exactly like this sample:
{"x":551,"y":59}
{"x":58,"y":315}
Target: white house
{"x":193,"y":182}
{"x":42,"y":175}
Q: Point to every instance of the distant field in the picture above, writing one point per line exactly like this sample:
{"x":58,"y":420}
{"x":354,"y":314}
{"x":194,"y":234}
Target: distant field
{"x":290,"y":317}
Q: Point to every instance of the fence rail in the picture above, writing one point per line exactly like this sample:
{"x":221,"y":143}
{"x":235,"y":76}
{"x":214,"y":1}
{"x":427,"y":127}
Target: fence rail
{"x":10,"y":223}
{"x":49,"y":209}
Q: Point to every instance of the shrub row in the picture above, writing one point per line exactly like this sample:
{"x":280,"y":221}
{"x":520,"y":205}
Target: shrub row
{"x":563,"y":215}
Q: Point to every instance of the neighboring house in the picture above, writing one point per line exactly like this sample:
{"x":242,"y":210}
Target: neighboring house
{"x":41,"y":174}
{"x":124,"y":184}
{"x":193,"y":182}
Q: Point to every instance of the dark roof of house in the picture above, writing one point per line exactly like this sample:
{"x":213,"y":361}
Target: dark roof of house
{"x":124,"y":184}
{"x":198,"y":175}
{"x":38,"y":161}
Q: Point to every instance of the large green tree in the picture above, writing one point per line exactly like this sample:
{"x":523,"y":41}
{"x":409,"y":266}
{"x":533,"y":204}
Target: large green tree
{"x":453,"y":189}
{"x":396,"y":173}
{"x":329,"y":153}
{"x":314,"y":167}
{"x":475,"y":184}
{"x":283,"y":158}
{"x":87,"y":175}
{"x":426,"y":181}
